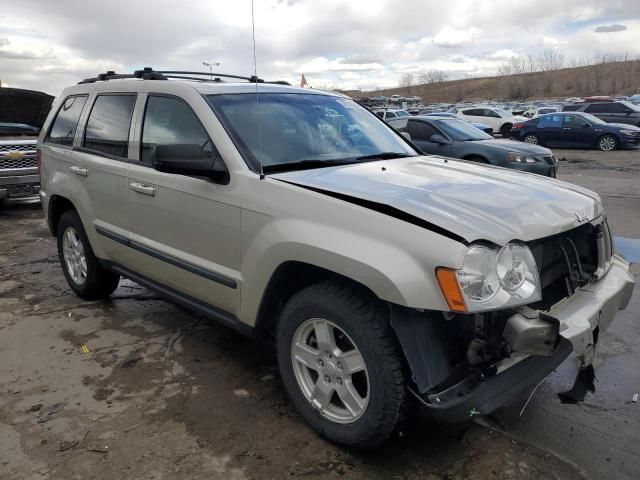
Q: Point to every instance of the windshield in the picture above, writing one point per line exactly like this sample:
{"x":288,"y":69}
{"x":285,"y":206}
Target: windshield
{"x":592,"y":119}
{"x":7,"y":128}
{"x":402,"y":113}
{"x":277,"y":130}
{"x":461,"y":131}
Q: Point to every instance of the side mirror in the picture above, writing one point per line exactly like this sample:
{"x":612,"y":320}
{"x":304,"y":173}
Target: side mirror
{"x":406,"y":135}
{"x":439,"y":139}
{"x":190,"y":159}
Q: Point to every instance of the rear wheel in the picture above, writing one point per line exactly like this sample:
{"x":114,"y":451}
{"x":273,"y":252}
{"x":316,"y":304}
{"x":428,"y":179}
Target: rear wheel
{"x":84,"y":274}
{"x":607,"y":143}
{"x":532,"y":139}
{"x":505,"y":130}
{"x":340,"y":365}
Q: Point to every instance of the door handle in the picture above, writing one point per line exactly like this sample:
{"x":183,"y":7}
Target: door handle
{"x":83,"y":172}
{"x":143,"y":189}
{"x":566,"y":128}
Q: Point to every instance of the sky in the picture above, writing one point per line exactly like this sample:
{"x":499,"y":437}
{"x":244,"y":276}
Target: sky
{"x":349,"y":44}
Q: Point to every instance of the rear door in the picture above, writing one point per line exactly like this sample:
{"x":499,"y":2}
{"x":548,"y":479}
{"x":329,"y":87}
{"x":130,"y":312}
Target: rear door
{"x":549,"y":130}
{"x":602,"y":111}
{"x":185,"y":230}
{"x":102,"y":162}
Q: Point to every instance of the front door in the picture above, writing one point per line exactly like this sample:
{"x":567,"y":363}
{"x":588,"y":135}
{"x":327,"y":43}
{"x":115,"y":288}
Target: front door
{"x":185,"y":230}
{"x":577,"y":131}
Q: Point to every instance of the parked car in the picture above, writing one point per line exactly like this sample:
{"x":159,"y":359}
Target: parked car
{"x":578,"y":130}
{"x":544,"y":111}
{"x":480,"y":126}
{"x":500,"y":120}
{"x":635,"y":99}
{"x":451,"y":137}
{"x":609,"y":111}
{"x":389,"y":113}
{"x":380,"y":274}
{"x":22,"y":113}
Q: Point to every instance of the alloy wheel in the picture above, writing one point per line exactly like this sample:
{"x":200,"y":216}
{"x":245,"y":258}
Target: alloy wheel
{"x":607,"y":143}
{"x":74,"y":256}
{"x":330,"y":370}
{"x":531,"y":139}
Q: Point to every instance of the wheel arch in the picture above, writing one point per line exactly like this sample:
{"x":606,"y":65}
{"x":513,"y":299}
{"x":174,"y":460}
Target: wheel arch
{"x":289,"y":278}
{"x":58,"y":204}
{"x":608,"y":134}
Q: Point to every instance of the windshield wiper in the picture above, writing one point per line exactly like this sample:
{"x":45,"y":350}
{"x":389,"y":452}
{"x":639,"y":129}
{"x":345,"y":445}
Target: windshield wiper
{"x":307,"y":164}
{"x":382,"y":156}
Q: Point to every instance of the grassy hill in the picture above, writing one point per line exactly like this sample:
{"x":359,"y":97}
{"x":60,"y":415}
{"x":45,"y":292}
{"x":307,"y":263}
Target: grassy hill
{"x":600,"y":79}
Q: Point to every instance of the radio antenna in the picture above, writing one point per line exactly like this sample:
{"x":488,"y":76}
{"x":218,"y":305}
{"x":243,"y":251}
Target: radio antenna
{"x":255,"y":76}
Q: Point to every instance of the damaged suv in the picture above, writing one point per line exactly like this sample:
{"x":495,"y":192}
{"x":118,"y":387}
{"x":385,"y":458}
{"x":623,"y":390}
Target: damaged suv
{"x":299,"y":217}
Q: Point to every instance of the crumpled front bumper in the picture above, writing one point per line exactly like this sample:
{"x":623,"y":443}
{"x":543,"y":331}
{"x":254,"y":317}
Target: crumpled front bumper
{"x":590,"y":309}
{"x":594,"y":306}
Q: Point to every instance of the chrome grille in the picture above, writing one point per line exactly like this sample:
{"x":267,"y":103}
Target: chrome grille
{"x":25,"y":158}
{"x":25,"y":162}
{"x":25,"y":148}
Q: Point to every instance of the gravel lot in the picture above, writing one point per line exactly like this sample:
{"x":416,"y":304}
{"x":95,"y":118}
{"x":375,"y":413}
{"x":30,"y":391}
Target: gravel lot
{"x":136,"y":387}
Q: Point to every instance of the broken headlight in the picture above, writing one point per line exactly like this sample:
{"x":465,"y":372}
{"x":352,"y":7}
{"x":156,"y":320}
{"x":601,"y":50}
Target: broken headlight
{"x":491,"y":279}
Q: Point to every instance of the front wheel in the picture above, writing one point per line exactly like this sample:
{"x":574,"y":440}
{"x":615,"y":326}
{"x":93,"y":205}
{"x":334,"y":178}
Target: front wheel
{"x":84,"y":274}
{"x":340,"y":365}
{"x":607,"y":143}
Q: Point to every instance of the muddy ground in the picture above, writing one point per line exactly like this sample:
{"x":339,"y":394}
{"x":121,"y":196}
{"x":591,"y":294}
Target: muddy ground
{"x":136,"y":387}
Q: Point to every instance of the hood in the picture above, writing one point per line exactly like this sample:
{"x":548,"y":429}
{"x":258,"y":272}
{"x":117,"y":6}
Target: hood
{"x":468,"y":200}
{"x":24,"y":106}
{"x":624,"y":126}
{"x":520,"y":147}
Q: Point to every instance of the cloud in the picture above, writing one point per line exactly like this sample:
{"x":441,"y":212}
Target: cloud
{"x":356,"y":44}
{"x":610,"y":28}
{"x":454,"y":38}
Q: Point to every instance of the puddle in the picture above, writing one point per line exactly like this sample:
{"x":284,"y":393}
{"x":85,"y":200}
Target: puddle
{"x":629,"y":248}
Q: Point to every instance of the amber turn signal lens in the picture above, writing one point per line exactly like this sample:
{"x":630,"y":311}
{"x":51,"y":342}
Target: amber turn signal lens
{"x":450,"y":287}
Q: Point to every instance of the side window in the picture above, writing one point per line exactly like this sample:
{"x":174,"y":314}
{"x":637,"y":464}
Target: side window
{"x":108,"y":125}
{"x":420,"y":130}
{"x":473,"y":112}
{"x":598,"y":108}
{"x":380,"y":114}
{"x":574,"y":121}
{"x":550,"y":121}
{"x":618,"y":108}
{"x":490,"y":113}
{"x":170,"y":122}
{"x":66,"y":122}
{"x":400,"y":124}
{"x":391,"y":115}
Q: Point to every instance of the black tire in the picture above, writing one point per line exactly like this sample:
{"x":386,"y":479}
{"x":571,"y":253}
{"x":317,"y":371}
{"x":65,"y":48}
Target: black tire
{"x":607,"y":143}
{"x":505,"y":130}
{"x":365,"y":320}
{"x":99,"y":282}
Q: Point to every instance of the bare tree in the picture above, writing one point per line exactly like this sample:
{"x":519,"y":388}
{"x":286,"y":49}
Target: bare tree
{"x":406,"y":80}
{"x":433,"y":76}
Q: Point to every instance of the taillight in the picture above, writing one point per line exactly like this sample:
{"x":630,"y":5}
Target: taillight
{"x":39,"y":159}
{"x":517,"y":126}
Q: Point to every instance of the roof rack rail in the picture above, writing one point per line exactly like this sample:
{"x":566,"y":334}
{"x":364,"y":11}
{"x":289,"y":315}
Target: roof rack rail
{"x":149,"y":73}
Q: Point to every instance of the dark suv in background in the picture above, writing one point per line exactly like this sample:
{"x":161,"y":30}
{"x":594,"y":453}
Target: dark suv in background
{"x":608,"y":110}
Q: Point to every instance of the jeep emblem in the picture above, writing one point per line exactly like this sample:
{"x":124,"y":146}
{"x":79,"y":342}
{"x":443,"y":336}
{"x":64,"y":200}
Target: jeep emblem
{"x":582,"y":216}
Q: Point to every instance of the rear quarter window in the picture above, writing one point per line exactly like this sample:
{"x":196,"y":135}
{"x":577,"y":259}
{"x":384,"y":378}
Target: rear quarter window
{"x":65,"y":124}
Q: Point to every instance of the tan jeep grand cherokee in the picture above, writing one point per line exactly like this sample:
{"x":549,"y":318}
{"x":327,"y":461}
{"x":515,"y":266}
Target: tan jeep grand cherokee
{"x":297,"y":215}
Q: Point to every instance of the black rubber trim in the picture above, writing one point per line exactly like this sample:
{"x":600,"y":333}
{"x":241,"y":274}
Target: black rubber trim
{"x":385,"y":210}
{"x":170,"y":259}
{"x":198,"y":306}
{"x":500,"y":389}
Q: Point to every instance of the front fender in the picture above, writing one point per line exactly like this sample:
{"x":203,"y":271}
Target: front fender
{"x":392,"y":273}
